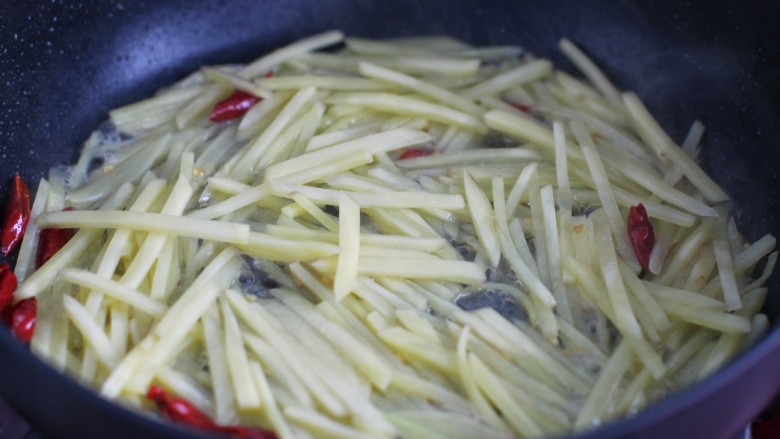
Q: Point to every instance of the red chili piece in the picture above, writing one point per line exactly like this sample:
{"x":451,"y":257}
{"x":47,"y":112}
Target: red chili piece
{"x":21,"y":318}
{"x":7,"y":285}
{"x":181,"y":411}
{"x":640,"y":232}
{"x":50,"y":241}
{"x":525,"y":108}
{"x":17,"y":214}
{"x":411,"y":153}
{"x":234,"y":106}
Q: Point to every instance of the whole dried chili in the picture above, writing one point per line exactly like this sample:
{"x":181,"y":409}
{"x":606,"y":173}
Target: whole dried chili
{"x":181,"y":411}
{"x":21,"y":318}
{"x":17,"y":214}
{"x":234,"y":106}
{"x":640,"y":232}
{"x":50,"y":241}
{"x":411,"y":153}
{"x":7,"y":285}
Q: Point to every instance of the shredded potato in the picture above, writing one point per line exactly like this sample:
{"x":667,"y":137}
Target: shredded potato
{"x":408,"y":238}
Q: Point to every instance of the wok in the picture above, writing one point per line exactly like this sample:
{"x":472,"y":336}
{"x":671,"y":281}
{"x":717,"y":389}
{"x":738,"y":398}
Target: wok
{"x":63,"y":65}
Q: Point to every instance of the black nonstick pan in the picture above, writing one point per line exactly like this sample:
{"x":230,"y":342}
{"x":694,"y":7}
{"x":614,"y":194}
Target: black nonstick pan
{"x":64,"y":64}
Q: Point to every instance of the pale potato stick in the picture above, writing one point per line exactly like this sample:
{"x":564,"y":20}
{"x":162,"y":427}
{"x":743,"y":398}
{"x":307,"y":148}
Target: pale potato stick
{"x":471,"y":156}
{"x":407,"y":199}
{"x":260,"y":116}
{"x":758,"y":328}
{"x":686,"y":251}
{"x":466,"y":377}
{"x":483,"y":219}
{"x":606,"y":195}
{"x":276,"y":367}
{"x":521,"y":244}
{"x":590,"y":70}
{"x":424,"y":88}
{"x":769,"y":268}
{"x":664,"y":191}
{"x":553,"y":246}
{"x":511,"y":78}
{"x":254,"y":152}
{"x":167,"y":271}
{"x":573,"y":337}
{"x":708,"y":318}
{"x":113,"y":289}
{"x":167,"y":337}
{"x":350,"y":347}
{"x":246,"y":395}
{"x":25,"y":259}
{"x":667,"y":151}
{"x":606,"y":386}
{"x":414,"y":347}
{"x":91,"y":331}
{"x":260,"y":321}
{"x":340,"y":83}
{"x":495,"y":391}
{"x":38,"y":281}
{"x":370,"y":286}
{"x":155,"y":111}
{"x":530,"y":343}
{"x":263,"y":65}
{"x":323,"y":426}
{"x":441,"y":394}
{"x":396,"y":104}
{"x":149,"y":222}
{"x":315,"y":211}
{"x":129,"y":170}
{"x":700,"y":270}
{"x":610,"y":272}
{"x":643,"y":295}
{"x":243,"y":196}
{"x":272,"y":410}
{"x":537,"y":231}
{"x":202,"y":103}
{"x":141,"y":363}
{"x":647,"y":355}
{"x":725,"y":263}
{"x":590,"y":285}
{"x":213,"y":337}
{"x":511,"y":372}
{"x":349,"y":246}
{"x":227,"y":77}
{"x":433,"y":424}
{"x":728,"y":344}
{"x":692,"y":299}
{"x":654,"y":210}
{"x":374,"y":240}
{"x":143,"y":260}
{"x":457,"y":271}
{"x":261,"y":245}
{"x":375,"y":143}
{"x":335,"y":137}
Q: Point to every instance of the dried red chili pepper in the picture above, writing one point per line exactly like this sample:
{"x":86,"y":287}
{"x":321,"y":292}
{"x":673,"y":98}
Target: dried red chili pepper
{"x":234,"y":106}
{"x":7,"y":286}
{"x":411,"y":153}
{"x":21,"y":318}
{"x":17,"y":214}
{"x":50,"y":241}
{"x":640,"y":232}
{"x":181,"y":411}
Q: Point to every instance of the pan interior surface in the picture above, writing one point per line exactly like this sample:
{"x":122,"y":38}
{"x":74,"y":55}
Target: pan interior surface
{"x":65,"y":65}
